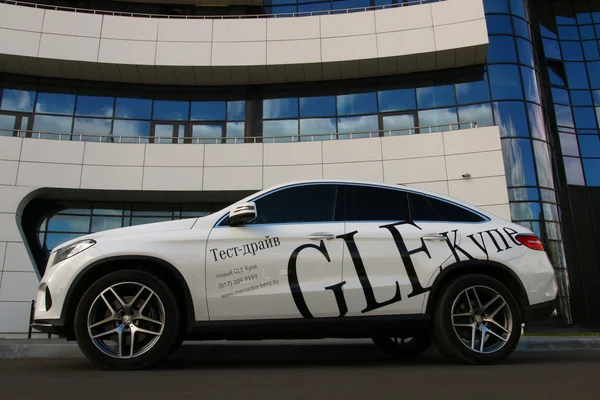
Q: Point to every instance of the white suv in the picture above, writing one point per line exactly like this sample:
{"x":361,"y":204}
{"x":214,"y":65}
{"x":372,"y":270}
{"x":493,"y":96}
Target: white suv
{"x":311,"y":259}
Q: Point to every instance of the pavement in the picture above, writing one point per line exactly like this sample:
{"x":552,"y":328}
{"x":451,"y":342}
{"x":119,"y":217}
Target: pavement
{"x":341,"y":370}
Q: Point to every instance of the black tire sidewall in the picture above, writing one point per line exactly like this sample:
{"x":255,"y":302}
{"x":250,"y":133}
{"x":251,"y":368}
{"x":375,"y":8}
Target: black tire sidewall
{"x":158,"y":351}
{"x":446,"y":339}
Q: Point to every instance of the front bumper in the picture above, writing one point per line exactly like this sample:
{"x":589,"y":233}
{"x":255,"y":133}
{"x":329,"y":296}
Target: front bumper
{"x":539,"y":311}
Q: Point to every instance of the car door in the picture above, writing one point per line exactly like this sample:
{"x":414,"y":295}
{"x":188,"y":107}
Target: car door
{"x":388,"y":256}
{"x":285,"y":263}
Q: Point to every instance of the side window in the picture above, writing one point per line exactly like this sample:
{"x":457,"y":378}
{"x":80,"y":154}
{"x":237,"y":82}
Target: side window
{"x":307,"y":203}
{"x":425,"y":208}
{"x":366,"y":203}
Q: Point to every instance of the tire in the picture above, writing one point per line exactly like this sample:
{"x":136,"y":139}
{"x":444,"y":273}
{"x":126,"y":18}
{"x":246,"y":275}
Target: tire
{"x":147,"y":310}
{"x":458,"y":328}
{"x":405,"y":348}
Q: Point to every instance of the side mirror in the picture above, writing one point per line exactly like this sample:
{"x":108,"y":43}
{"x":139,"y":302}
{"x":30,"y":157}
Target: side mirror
{"x":241,"y":214}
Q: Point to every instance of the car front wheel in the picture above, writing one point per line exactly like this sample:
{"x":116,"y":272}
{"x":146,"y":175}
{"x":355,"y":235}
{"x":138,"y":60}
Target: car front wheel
{"x":127,"y":320}
{"x":476,"y":320}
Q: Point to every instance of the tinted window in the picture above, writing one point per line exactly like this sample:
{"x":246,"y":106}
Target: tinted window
{"x":367,"y":203}
{"x":309,"y":203}
{"x":425,"y":208}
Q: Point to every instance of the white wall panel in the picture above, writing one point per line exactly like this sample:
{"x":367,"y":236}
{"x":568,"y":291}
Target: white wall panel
{"x":72,"y":24}
{"x":130,"y":28}
{"x":8,"y":172}
{"x":48,"y":175}
{"x":21,"y":18}
{"x":63,"y":47}
{"x":185,"y":30}
{"x":20,"y":43}
{"x":113,"y":178}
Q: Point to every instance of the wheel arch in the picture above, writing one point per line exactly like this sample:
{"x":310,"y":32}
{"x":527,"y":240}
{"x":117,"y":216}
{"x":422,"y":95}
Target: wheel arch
{"x":482,"y":267}
{"x":156,"y":266}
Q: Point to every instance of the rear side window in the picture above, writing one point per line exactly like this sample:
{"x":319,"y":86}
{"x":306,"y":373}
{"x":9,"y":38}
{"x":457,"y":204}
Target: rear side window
{"x":366,"y":203}
{"x":425,"y":208}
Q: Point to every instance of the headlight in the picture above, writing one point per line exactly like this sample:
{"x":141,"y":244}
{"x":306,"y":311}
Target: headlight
{"x":70,"y":251}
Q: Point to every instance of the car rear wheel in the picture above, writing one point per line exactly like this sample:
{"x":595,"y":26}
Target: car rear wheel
{"x":403,"y":347}
{"x":476,"y":321}
{"x":127,"y":320}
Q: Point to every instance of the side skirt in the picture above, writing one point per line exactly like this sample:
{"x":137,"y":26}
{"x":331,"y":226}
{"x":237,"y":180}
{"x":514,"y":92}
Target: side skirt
{"x":311,"y":328}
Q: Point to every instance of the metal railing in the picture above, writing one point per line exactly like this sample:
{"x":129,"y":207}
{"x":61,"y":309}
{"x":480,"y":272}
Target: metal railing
{"x":81,"y":137}
{"x":279,"y":15}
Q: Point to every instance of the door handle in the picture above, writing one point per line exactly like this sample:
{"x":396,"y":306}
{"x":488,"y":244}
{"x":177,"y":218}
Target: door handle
{"x":321,"y":236}
{"x":434,"y":236}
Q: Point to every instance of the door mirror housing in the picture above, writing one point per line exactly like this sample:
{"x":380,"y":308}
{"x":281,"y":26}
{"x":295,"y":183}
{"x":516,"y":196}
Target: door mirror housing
{"x":241,"y":214}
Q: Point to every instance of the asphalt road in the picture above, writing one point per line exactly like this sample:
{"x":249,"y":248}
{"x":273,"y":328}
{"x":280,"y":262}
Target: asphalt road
{"x":234,"y":371}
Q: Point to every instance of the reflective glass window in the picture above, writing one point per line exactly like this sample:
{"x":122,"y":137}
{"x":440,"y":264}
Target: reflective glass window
{"x":122,"y":127}
{"x":544,"y":166}
{"x":573,"y":171}
{"x":531,"y":85}
{"x":502,"y":49}
{"x":53,"y":124}
{"x":568,"y":144}
{"x":7,"y":124}
{"x":498,"y":24}
{"x":548,"y":32}
{"x":583,"y":17}
{"x":401,"y":124}
{"x":318,"y":125}
{"x":281,"y":128}
{"x":236,"y":110}
{"x":473,"y":92}
{"x":280,"y":108}
{"x":511,"y":118}
{"x":581,"y":98}
{"x":235,"y":129}
{"x":440,"y":118}
{"x":281,"y":9}
{"x":521,"y":28}
{"x":536,"y":121}
{"x":518,"y":8}
{"x":392,"y":205}
{"x":358,"y":103}
{"x":594,"y":74}
{"x":524,"y":211}
{"x":133,"y":108}
{"x":591,"y":168}
{"x":496,"y":6}
{"x":397,"y":100}
{"x":95,"y":106}
{"x":209,"y":132}
{"x":518,"y":159}
{"x":596,"y":94}
{"x":525,"y":52}
{"x":560,"y":96}
{"x":17,"y":100}
{"x":590,"y":50}
{"x":589,"y":145}
{"x":564,"y":117}
{"x":344,"y":4}
{"x":322,"y":106}
{"x":69,"y":223}
{"x":435,"y":96}
{"x":523,"y":194}
{"x":548,"y":195}
{"x":576,"y":75}
{"x":568,"y":32}
{"x":585,"y":117}
{"x":551,"y":48}
{"x":103,"y":223}
{"x":364,"y":123}
{"x":505,"y":81}
{"x":208,"y":111}
{"x":171,"y":110}
{"x":586,"y":32}
{"x":314,"y":7}
{"x":55,"y":103}
{"x":480,"y":113}
{"x":557,"y":76}
{"x":92,"y":126}
{"x":571,"y":51}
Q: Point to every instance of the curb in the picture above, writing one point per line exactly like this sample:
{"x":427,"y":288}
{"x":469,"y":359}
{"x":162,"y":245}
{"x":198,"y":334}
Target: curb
{"x":61,"y":349}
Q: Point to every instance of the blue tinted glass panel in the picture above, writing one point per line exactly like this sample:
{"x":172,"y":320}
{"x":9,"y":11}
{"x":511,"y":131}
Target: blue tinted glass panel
{"x":571,"y":51}
{"x":442,"y":116}
{"x":317,"y":125}
{"x":435,"y":96}
{"x":17,"y":100}
{"x":343,"y":4}
{"x":581,"y":98}
{"x":236,"y":110}
{"x":359,"y":103}
{"x":523,"y":194}
{"x":480,"y":113}
{"x":590,"y":50}
{"x":323,"y":106}
{"x":584,"y":18}
{"x":498,"y":24}
{"x":236,"y":129}
{"x":521,"y":28}
{"x":50,"y":123}
{"x":280,"y":108}
{"x":365,"y":123}
{"x":505,"y":81}
{"x":587,"y":32}
{"x":585,"y":117}
{"x":591,"y":168}
{"x":531,"y":85}
{"x":94,"y":106}
{"x":573,"y":171}
{"x":133,"y":108}
{"x":596,"y":94}
{"x":589,"y":145}
{"x":525,"y":211}
{"x":69,"y":223}
{"x":492,"y":6}
{"x":548,"y":33}
{"x":55,"y":103}
{"x":314,"y":7}
{"x":568,"y":144}
{"x":560,"y":96}
{"x":594,"y":74}
{"x":100,"y":223}
{"x":568,"y":32}
{"x":282,"y":130}
{"x":555,"y":77}
{"x":92,"y":126}
{"x":518,"y":8}
{"x":397,"y":100}
{"x":132,"y":128}
{"x":525,"y":52}
{"x":171,"y":110}
{"x":473,"y":92}
{"x":518,"y":162}
{"x":511,"y":118}
{"x":536,"y":120}
{"x":281,"y":9}
{"x":278,"y":2}
{"x":564,"y":117}
{"x":502,"y":49}
{"x":544,"y":166}
{"x":551,"y":49}
{"x":576,"y":75}
{"x":208,"y":111}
